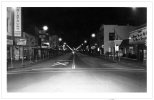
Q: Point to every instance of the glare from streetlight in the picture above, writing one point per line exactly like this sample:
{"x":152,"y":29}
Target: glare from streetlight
{"x":45,"y":28}
{"x":60,"y":39}
{"x":85,"y":41}
{"x":93,"y":35}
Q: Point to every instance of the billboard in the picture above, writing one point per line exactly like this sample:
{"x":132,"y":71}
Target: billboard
{"x":17,"y":22}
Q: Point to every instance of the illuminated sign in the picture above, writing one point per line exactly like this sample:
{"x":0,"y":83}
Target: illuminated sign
{"x":139,"y":36}
{"x":17,"y":22}
{"x":21,"y":41}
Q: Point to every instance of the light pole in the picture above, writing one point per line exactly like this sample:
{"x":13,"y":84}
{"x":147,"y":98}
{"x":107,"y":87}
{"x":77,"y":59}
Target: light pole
{"x":59,"y":44}
{"x":45,"y":28}
{"x":93,"y":35}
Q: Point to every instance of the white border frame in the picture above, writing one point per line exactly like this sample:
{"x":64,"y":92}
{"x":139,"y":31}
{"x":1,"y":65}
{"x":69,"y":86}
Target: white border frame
{"x":78,"y":4}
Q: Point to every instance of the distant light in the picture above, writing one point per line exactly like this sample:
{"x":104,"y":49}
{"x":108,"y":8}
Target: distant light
{"x":60,"y":39}
{"x":85,"y":41}
{"x":64,"y":43}
{"x":45,"y":28}
{"x":93,"y":35}
{"x":98,"y":49}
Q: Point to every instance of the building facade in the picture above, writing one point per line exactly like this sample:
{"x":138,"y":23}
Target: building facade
{"x":138,"y":41}
{"x":113,"y":36}
{"x":9,"y":34}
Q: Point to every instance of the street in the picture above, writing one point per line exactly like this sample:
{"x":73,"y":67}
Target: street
{"x":78,"y":73}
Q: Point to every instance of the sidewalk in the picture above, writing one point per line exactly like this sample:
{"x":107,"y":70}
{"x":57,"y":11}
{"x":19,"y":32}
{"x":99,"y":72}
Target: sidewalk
{"x":17,"y":65}
{"x":25,"y":64}
{"x":125,"y":62}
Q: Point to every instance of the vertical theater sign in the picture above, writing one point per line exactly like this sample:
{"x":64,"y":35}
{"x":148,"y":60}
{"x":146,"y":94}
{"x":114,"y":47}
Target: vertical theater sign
{"x":17,"y":22}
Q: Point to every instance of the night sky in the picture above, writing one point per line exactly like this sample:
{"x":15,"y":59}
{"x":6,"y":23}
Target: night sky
{"x":75,"y":24}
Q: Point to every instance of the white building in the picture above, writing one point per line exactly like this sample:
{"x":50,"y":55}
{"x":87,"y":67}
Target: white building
{"x":113,"y":35}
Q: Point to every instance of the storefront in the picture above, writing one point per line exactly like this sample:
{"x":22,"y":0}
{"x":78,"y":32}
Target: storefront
{"x":138,"y":42}
{"x":9,"y":49}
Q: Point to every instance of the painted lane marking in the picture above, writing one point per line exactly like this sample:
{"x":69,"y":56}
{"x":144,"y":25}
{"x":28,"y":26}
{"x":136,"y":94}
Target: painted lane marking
{"x":73,"y":64}
{"x":59,"y":63}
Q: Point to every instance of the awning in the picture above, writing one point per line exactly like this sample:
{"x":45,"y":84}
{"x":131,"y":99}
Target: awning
{"x":125,"y":43}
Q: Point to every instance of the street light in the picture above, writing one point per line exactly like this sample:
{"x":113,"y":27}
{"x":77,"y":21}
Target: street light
{"x":93,"y":35}
{"x":85,"y":41}
{"x":45,"y":28}
{"x":60,"y":39}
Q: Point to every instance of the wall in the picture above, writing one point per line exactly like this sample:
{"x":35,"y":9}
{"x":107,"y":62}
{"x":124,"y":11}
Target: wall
{"x":107,"y":30}
{"x":121,"y":31}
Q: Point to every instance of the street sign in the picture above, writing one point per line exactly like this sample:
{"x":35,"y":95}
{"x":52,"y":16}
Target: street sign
{"x":44,"y":46}
{"x":21,"y":41}
{"x":116,"y":48}
{"x":109,"y":49}
{"x":117,"y":42}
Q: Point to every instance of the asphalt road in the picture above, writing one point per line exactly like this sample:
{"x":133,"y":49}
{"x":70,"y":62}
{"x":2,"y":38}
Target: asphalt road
{"x":78,"y":73}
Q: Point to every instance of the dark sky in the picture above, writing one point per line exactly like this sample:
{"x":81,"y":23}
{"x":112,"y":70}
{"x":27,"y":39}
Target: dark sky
{"x":75,"y":24}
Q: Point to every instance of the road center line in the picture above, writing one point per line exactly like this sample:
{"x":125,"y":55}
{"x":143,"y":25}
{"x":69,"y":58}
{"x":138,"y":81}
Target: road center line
{"x":73,"y":64}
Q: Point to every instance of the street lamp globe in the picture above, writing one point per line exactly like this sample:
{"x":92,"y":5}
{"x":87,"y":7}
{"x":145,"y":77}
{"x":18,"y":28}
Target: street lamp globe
{"x":60,"y":39}
{"x":85,"y":41}
{"x":93,"y":35}
{"x":45,"y":28}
